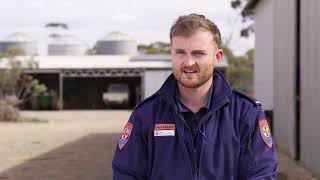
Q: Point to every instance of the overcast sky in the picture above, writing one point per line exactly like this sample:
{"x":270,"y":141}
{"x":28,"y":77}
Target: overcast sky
{"x":145,"y":20}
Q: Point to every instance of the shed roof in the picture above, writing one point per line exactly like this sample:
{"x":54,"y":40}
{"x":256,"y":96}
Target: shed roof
{"x":104,"y":62}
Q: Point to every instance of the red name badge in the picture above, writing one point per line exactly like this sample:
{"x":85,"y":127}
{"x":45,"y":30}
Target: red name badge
{"x":164,"y":129}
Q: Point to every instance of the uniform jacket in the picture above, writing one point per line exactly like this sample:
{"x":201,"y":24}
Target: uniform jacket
{"x":233,"y":139}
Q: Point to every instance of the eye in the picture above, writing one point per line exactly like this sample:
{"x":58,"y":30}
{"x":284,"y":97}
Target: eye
{"x":199,"y":53}
{"x":180,"y":52}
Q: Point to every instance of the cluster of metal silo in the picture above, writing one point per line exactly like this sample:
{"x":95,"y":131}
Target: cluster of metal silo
{"x":115,"y":43}
{"x":67,"y":45}
{"x":21,"y":43}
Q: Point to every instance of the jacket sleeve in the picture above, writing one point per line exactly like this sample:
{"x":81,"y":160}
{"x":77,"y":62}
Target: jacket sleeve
{"x":258,"y":153}
{"x":130,"y":158}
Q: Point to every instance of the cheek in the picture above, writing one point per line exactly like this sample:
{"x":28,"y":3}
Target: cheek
{"x":176,"y":63}
{"x":206,"y":61}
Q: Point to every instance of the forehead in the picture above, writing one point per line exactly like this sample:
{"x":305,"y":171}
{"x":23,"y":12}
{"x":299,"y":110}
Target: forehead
{"x":201,"y":39}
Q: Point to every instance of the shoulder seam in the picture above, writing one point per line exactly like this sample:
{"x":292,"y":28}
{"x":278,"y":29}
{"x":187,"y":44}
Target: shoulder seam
{"x":146,"y":100}
{"x":255,"y":102}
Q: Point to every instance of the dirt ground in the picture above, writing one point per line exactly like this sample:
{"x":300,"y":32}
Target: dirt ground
{"x":77,"y":145}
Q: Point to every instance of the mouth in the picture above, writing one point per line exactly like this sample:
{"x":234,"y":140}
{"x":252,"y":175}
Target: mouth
{"x":190,"y":71}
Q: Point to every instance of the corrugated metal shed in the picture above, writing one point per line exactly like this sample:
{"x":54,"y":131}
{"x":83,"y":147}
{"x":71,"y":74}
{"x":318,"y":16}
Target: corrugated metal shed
{"x":263,"y":54}
{"x":310,"y":84}
{"x":285,"y":76}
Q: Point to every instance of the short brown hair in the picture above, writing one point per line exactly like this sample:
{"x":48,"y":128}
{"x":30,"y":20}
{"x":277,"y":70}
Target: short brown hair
{"x":186,"y":25}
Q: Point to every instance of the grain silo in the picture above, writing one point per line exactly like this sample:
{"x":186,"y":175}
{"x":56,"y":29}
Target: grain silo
{"x":21,"y":43}
{"x":67,"y":45}
{"x":116,"y":42}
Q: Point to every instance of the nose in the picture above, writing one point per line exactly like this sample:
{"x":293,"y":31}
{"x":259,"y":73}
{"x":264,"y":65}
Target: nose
{"x":189,"y":60}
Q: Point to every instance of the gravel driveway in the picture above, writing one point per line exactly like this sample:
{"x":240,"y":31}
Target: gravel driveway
{"x":73,"y":145}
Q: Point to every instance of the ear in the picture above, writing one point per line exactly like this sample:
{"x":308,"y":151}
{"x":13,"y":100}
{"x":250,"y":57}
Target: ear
{"x":219,"y":54}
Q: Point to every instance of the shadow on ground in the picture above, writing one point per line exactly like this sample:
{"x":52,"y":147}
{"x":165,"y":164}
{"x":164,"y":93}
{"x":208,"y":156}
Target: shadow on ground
{"x":282,"y":176}
{"x":88,"y":158}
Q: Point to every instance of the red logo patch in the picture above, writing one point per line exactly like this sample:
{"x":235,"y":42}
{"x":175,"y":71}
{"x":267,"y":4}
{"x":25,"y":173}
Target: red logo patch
{"x":165,"y":127}
{"x":265,"y":132}
{"x":125,"y":135}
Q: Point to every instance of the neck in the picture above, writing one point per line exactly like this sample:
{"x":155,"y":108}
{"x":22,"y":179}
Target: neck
{"x":195,"y":98}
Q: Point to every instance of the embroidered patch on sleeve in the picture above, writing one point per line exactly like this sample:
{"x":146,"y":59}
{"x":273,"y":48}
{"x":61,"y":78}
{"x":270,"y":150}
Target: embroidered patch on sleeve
{"x":125,"y":135}
{"x":265,"y":132}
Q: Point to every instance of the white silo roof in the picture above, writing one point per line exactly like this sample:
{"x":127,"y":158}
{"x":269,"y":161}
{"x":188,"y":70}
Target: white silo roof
{"x":19,"y":37}
{"x":67,"y":39}
{"x":117,"y":36}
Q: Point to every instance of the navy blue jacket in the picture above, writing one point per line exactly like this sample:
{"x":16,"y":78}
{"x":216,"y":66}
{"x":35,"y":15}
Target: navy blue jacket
{"x":233,"y":139}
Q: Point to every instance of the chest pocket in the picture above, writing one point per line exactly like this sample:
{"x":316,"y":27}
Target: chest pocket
{"x":169,"y":160}
{"x":164,"y":134}
{"x":220,"y":152}
{"x":164,"y":142}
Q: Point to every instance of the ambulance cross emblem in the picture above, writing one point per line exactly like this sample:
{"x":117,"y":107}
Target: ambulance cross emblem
{"x":265,"y":132}
{"x":125,"y":135}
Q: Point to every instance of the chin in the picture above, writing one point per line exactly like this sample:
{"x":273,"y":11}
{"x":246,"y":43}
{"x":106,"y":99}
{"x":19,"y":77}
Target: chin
{"x":190,"y":84}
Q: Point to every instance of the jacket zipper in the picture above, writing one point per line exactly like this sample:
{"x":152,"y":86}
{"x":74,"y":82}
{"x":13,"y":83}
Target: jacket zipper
{"x":194,"y":166}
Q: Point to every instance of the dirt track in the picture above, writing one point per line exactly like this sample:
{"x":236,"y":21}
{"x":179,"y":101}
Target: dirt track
{"x":75,"y":145}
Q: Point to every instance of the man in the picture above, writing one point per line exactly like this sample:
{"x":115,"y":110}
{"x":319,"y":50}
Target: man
{"x":195,"y":126}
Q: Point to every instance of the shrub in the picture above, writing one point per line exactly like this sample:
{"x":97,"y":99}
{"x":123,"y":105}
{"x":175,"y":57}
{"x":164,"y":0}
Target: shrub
{"x":8,"y":112}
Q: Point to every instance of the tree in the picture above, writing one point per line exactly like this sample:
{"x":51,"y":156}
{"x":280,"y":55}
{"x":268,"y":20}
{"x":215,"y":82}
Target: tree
{"x":155,"y":48}
{"x":240,"y":70}
{"x":246,"y":7}
{"x":16,"y":88}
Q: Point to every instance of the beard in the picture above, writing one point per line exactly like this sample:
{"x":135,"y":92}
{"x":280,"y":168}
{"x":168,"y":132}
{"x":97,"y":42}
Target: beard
{"x":193,"y":80}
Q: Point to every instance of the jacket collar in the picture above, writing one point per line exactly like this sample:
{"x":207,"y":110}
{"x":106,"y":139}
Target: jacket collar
{"x":221,"y":91}
{"x":183,"y":108}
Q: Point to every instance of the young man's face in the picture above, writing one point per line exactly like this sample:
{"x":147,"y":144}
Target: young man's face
{"x":194,"y":57}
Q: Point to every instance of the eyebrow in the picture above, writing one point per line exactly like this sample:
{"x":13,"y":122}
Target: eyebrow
{"x":193,"y":52}
{"x":198,"y":51}
{"x":179,"y":50}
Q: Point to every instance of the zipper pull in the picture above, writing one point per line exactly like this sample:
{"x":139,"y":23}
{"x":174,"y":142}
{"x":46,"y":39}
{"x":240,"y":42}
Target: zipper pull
{"x":203,"y":135}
